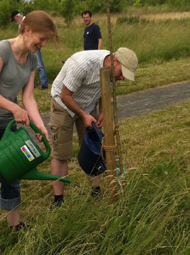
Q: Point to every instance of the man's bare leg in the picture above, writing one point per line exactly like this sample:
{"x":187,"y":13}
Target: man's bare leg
{"x":60,"y":168}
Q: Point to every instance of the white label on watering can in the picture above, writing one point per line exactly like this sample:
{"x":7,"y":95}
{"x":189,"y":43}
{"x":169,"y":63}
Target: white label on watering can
{"x":33,"y":148}
{"x":27,"y":153}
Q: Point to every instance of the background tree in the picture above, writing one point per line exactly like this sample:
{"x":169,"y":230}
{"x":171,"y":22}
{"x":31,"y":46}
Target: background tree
{"x":117,"y":5}
{"x":67,"y":10}
{"x":6,"y":7}
{"x":41,"y":4}
{"x":178,"y":3}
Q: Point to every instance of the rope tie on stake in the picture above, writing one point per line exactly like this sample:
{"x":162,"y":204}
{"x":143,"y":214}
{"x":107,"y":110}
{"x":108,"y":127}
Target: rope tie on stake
{"x":116,"y":129}
{"x":104,"y":148}
{"x":107,"y":147}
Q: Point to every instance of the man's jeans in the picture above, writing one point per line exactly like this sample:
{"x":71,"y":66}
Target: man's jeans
{"x":42,"y":70}
{"x":10,"y":193}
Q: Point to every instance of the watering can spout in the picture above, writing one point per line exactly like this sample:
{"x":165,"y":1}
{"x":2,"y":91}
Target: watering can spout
{"x":34,"y":174}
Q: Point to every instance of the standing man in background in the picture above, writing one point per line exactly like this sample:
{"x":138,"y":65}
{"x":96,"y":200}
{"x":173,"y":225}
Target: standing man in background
{"x":92,"y":35}
{"x":18,"y":18}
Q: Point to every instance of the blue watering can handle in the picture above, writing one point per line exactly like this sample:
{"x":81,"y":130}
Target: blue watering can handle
{"x":36,"y":129}
{"x":97,"y":130}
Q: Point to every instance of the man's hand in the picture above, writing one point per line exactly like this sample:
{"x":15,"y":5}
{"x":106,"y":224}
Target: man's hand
{"x":100,"y":121}
{"x":88,"y":119}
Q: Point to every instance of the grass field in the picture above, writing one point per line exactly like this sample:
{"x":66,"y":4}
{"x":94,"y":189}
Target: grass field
{"x":151,"y":217}
{"x":161,"y":44}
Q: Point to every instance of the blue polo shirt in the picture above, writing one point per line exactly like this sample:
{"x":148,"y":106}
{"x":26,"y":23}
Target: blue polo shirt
{"x":91,"y":36}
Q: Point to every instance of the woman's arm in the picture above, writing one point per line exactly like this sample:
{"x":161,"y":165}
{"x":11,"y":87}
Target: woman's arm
{"x":31,"y":106}
{"x":20,"y":115}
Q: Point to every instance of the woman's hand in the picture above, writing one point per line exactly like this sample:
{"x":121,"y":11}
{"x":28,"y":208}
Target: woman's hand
{"x":45,"y":132}
{"x":21,"y":115}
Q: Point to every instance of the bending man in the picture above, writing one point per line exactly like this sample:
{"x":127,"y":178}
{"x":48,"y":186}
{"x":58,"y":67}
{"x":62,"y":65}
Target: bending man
{"x":75,"y":93}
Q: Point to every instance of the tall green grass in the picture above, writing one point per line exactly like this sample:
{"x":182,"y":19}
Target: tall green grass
{"x":154,"y":42}
{"x":151,"y":217}
{"x":162,"y":47}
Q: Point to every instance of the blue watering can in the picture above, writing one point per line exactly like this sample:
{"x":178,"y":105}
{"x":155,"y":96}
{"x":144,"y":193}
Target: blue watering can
{"x":90,"y":157}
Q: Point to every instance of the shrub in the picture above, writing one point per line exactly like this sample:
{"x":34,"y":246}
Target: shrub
{"x":6,"y":7}
{"x":26,"y":7}
{"x":41,"y":4}
{"x":137,"y":4}
{"x":116,"y":5}
{"x":67,"y":11}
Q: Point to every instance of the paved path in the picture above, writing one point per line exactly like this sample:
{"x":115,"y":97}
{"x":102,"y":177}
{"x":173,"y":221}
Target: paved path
{"x":153,"y":99}
{"x":139,"y":103}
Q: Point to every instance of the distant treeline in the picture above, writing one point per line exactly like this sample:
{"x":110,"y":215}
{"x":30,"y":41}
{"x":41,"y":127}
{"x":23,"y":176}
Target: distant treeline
{"x":70,"y":8}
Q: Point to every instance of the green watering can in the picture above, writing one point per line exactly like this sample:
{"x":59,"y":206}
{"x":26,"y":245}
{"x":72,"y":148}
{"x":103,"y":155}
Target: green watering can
{"x":19,"y":155}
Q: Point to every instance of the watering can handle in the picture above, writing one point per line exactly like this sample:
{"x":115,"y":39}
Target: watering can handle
{"x":8,"y":129}
{"x":97,"y":130}
{"x":35,"y":128}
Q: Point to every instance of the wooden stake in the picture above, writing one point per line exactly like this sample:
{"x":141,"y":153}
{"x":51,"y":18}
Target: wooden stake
{"x":109,"y":144}
{"x":118,"y":148}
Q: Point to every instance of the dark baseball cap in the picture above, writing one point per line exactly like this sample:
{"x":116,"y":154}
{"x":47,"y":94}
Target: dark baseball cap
{"x":13,"y":14}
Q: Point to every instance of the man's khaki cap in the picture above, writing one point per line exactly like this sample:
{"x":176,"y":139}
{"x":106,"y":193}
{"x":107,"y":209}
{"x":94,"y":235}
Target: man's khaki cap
{"x":129,"y":62}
